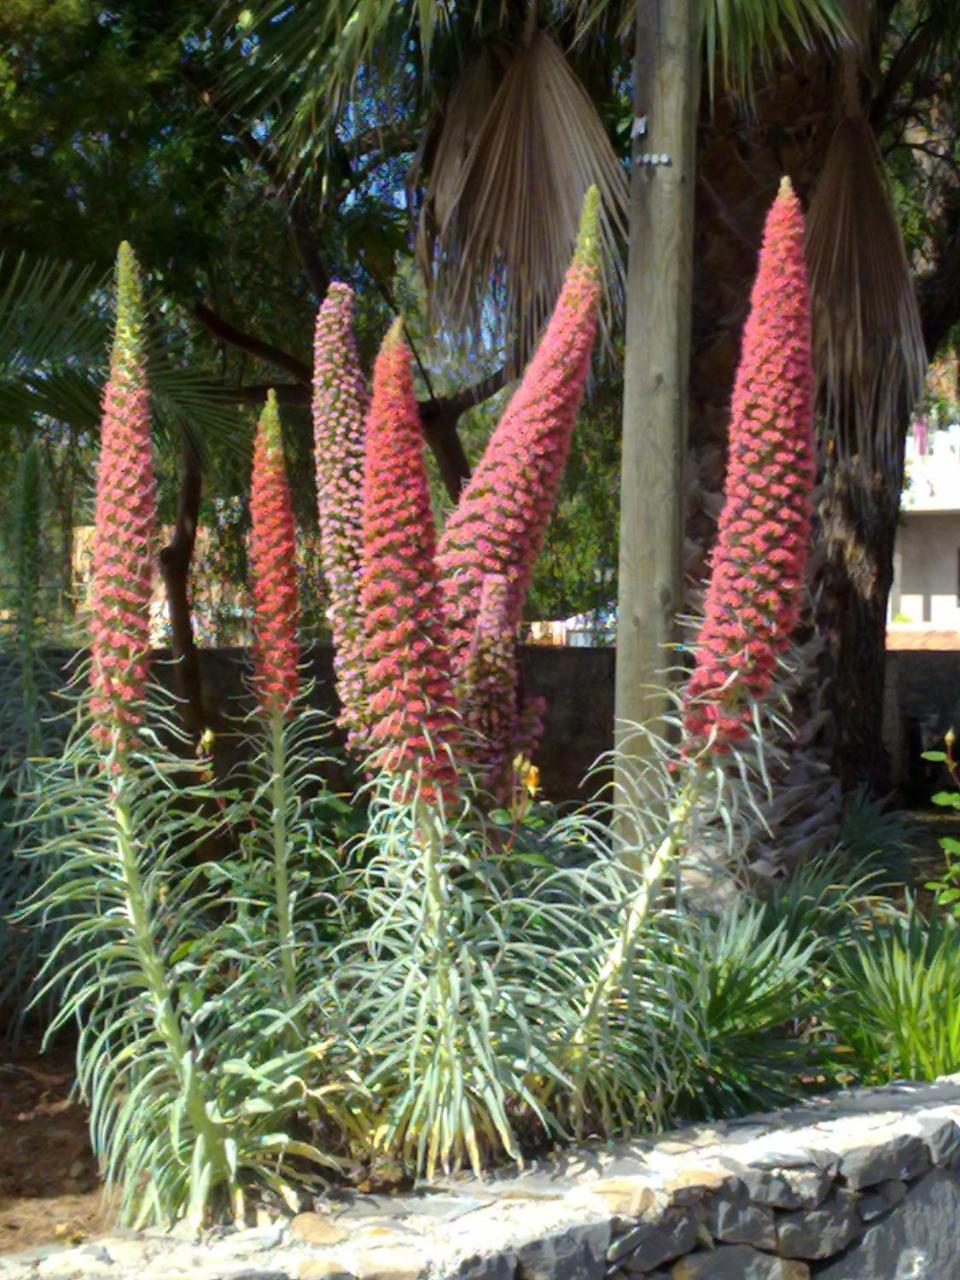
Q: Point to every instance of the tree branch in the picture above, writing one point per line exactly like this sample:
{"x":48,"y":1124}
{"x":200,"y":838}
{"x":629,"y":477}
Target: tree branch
{"x":938,"y":292}
{"x":261,"y":155}
{"x":905,"y":62}
{"x":439,"y":416}
{"x":224,"y":331}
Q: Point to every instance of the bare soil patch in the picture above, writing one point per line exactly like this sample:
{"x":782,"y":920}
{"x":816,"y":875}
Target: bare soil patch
{"x":49,"y":1188}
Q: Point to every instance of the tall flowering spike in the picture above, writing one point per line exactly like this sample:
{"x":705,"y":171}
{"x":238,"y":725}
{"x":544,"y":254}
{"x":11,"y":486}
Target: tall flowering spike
{"x":125,"y":528}
{"x":273,"y":565}
{"x":500,"y":521}
{"x":412,"y":723}
{"x":758,"y":562}
{"x":339,"y":409}
{"x":490,"y":673}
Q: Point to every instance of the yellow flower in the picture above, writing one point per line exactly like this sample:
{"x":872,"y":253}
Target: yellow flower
{"x":528,"y":775}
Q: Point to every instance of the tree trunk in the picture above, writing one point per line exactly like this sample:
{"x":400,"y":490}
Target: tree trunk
{"x":656,"y":364}
{"x":175,"y":560}
{"x":859,"y":517}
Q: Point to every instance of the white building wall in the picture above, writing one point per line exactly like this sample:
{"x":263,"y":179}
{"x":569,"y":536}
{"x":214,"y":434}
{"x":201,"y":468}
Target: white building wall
{"x":927,"y":570}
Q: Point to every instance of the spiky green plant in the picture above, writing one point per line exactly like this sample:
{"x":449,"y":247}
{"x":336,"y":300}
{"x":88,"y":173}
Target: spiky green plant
{"x":896,"y":999}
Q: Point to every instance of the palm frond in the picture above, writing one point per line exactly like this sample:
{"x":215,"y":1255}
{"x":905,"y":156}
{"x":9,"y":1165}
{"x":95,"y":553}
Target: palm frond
{"x":54,"y":343}
{"x":46,"y":313}
{"x":519,"y":145}
{"x":743,"y":36}
{"x":740,"y":37}
{"x":869,"y":353}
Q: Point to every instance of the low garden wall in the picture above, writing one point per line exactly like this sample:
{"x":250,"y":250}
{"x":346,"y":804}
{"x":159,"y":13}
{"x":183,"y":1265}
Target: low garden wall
{"x":863,"y":1185}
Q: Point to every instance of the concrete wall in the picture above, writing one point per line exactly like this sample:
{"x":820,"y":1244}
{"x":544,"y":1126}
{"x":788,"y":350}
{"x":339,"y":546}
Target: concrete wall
{"x":926,"y":569}
{"x":923,"y":702}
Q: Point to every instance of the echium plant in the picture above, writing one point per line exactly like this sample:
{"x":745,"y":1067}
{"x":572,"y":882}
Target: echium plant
{"x":119,"y":846}
{"x":757,"y":571}
{"x":498,"y":526}
{"x":413,"y":726}
{"x":339,"y":410}
{"x":276,"y":650}
{"x":758,"y":561}
{"x":179,"y":1127}
{"x":273,"y":570}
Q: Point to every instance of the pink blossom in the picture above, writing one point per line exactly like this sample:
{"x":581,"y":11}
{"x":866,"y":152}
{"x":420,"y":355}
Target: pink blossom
{"x":125,"y":530}
{"x":413,"y":727}
{"x":497,"y":529}
{"x":273,"y":568}
{"x":339,"y":408}
{"x":764,"y":528}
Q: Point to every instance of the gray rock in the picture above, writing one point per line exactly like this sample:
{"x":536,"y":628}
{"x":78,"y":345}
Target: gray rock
{"x":819,"y":1233}
{"x":739,"y":1221}
{"x":787,"y":1188}
{"x":250,"y":1273}
{"x":941,"y":1136}
{"x":655,"y":1243}
{"x":498,"y":1266}
{"x":920,"y":1240}
{"x":254,"y":1239}
{"x":879,"y":1200}
{"x":902,"y":1157}
{"x":737,"y":1262}
{"x":578,"y":1253}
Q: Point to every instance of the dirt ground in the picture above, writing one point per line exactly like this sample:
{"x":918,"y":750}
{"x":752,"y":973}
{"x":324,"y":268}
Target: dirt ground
{"x":49,"y":1189}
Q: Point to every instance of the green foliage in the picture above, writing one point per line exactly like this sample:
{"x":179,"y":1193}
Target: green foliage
{"x":193,"y":1065}
{"x":877,"y":838}
{"x":751,"y":988}
{"x":896,"y":1001}
{"x":947,"y":887}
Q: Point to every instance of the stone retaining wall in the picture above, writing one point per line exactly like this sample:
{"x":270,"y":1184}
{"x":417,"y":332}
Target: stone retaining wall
{"x":863,"y":1185}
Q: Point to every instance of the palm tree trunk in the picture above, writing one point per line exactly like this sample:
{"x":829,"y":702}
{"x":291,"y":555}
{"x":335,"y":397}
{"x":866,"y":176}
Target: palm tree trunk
{"x":859,"y":517}
{"x":656,"y":365}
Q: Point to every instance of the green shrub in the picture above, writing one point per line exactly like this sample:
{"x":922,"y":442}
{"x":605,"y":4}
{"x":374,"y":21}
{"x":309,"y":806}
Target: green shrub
{"x":896,"y":1001}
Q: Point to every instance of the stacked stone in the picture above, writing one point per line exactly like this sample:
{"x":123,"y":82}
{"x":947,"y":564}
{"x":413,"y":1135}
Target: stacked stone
{"x":861,"y":1186}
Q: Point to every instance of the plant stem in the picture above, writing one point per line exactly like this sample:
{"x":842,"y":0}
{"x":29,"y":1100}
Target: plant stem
{"x":281,"y":854}
{"x":152,"y":967}
{"x":641,"y":903}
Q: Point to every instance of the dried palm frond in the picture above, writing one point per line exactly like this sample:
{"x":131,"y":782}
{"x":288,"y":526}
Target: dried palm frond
{"x":869,"y":353}
{"x":517,"y":147}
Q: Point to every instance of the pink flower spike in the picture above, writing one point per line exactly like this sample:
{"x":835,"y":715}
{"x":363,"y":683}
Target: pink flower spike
{"x":746,"y":625}
{"x":416,"y":728}
{"x":273,"y":568}
{"x":500,"y":521}
{"x":495,"y":534}
{"x":339,"y":408}
{"x":125,"y":527}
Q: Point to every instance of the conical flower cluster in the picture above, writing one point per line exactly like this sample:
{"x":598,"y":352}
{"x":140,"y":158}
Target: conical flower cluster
{"x":412,"y":723}
{"x":758,"y":562}
{"x":125,"y":529}
{"x":500,"y":521}
{"x":274,"y":569}
{"x":339,"y":408}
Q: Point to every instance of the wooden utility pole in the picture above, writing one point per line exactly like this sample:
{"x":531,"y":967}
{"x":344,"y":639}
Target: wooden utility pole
{"x":657,"y":358}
